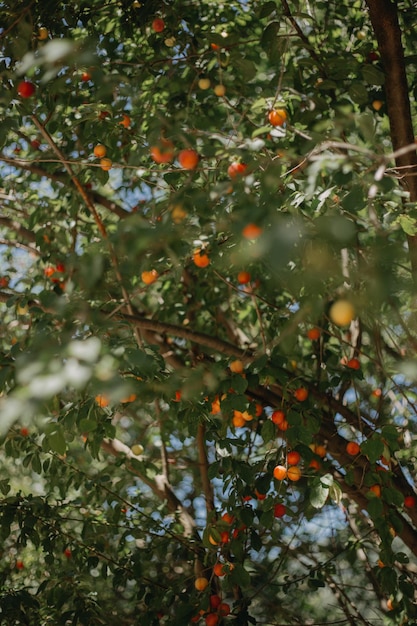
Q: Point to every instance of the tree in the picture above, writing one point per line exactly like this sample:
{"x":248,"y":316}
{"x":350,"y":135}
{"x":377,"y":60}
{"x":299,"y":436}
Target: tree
{"x":208,"y":297}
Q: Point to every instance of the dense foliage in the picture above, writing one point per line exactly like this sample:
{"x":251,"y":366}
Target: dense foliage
{"x":208,"y":312}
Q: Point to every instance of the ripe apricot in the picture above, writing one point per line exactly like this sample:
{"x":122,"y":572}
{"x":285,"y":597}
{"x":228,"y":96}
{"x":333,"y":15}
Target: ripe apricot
{"x":251,"y":231}
{"x":278,"y":417}
{"x":293,"y":457}
{"x":106,"y":164}
{"x":280,"y":472}
{"x":228,"y":518}
{"x":149,"y":277}
{"x":294,"y":473}
{"x":125,"y":121}
{"x":204,"y":83}
{"x":201,"y":583}
{"x":243,"y":278}
{"x":219,"y":90}
{"x":320,"y":451}
{"x":377,"y":105}
{"x":219,"y":570}
{"x":342,"y":312}
{"x":238,"y":420}
{"x":410,"y":502}
{"x":313,"y":334}
{"x":314,"y":464}
{"x":353,"y":448}
{"x":188,"y":159}
{"x":163,"y":152}
{"x":224,"y":609}
{"x":100,"y":151}
{"x":200,"y":258}
{"x":215,"y":406}
{"x":236,"y":366}
{"x":376,"y":489}
{"x":301,"y":394}
{"x":43,"y":33}
{"x":277,"y":117}
{"x":102,"y":400}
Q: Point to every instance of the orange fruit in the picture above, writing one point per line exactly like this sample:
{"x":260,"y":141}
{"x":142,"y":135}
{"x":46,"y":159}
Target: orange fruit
{"x":220,"y":90}
{"x":284,"y":425}
{"x":215,"y":406}
{"x":280,"y":472}
{"x":377,"y":105}
{"x":163,"y":152}
{"x":354,"y":364}
{"x":218,"y":569}
{"x":277,"y":117}
{"x":294,"y":473}
{"x":320,"y":451}
{"x":224,"y":609}
{"x":237,"y":420}
{"x":236,"y":366}
{"x":314,"y":464}
{"x":278,"y":417}
{"x":85,"y":77}
{"x":200,"y":258}
{"x":376,"y":489}
{"x":211,"y":619}
{"x":204,"y":83}
{"x":243,"y":278}
{"x":293,"y":457}
{"x":201,"y":583}
{"x":313,"y":334}
{"x":43,"y":33}
{"x":260,"y":496}
{"x":106,"y":164}
{"x":251,"y":231}
{"x":128,"y":399}
{"x":353,"y":448}
{"x":102,"y":400}
{"x":125,"y":121}
{"x":149,"y":277}
{"x":301,"y":394}
{"x":188,"y":159}
{"x":228,"y":518}
{"x":100,"y":151}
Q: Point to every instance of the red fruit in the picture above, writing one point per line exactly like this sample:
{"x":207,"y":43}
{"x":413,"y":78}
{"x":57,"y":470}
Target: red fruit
{"x":60,"y":267}
{"x":26,"y":89}
{"x":236,"y":169}
{"x":49,"y":271}
{"x":68,"y":553}
{"x":24,"y":431}
{"x":85,"y":77}
{"x":224,"y":609}
{"x":313,"y":334}
{"x":188,"y":159}
{"x":353,"y":364}
{"x":4,"y":281}
{"x":410,"y":502}
{"x":35,"y":144}
{"x":212,"y":619}
{"x":158,"y":25}
{"x":277,"y":117}
{"x":229,"y":519}
{"x":301,"y":394}
{"x":243,"y":278}
{"x":215,"y":601}
{"x":279,"y":510}
{"x":293,"y":457}
{"x":224,"y":536}
{"x":19,"y":565}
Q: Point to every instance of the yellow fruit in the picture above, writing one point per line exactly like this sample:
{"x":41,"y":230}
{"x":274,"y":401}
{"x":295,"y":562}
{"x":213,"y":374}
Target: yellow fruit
{"x":178,"y":214}
{"x":204,"y":83}
{"x":377,"y":104}
{"x":137,"y":449}
{"x":236,"y":366}
{"x":43,"y":33}
{"x":220,"y":90}
{"x":201,"y":583}
{"x":342,"y":312}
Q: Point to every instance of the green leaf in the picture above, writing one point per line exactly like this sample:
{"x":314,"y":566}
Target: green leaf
{"x":408,"y":224}
{"x":56,"y":442}
{"x":318,"y":494}
{"x":372,"y":448}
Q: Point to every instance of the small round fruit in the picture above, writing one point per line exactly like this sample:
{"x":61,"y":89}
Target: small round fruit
{"x":149,"y":277}
{"x":361,"y":35}
{"x":294,"y":473}
{"x":280,"y":472}
{"x":224,"y":609}
{"x":211,"y":619}
{"x":85,"y":77}
{"x":26,"y":89}
{"x":238,"y":420}
{"x":125,"y":121}
{"x":410,"y":502}
{"x":228,"y":518}
{"x":215,"y":601}
{"x":278,"y":417}
{"x":68,"y":553}
{"x":293,"y":457}
{"x":376,"y":489}
{"x":170,"y":42}
{"x":353,"y":448}
{"x":158,"y":25}
{"x":20,"y":564}
{"x":236,"y":169}
{"x":342,"y":312}
{"x":102,"y":400}
{"x":200,"y":258}
{"x":201,"y":583}
{"x":220,"y":90}
{"x":204,"y":83}
{"x":320,"y":450}
{"x":313,"y":334}
{"x":24,"y":431}
{"x":163,"y":152}
{"x":106,"y":164}
{"x":243,"y":278}
{"x":4,"y":281}
{"x":100,"y":151}
{"x":301,"y":394}
{"x":280,"y":510}
{"x":137,"y":449}
{"x":218,"y":569}
{"x":236,"y":366}
{"x":377,"y":105}
{"x":277,"y":117}
{"x":251,"y":231}
{"x":354,"y":364}
{"x":43,"y":33}
{"x":188,"y":159}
